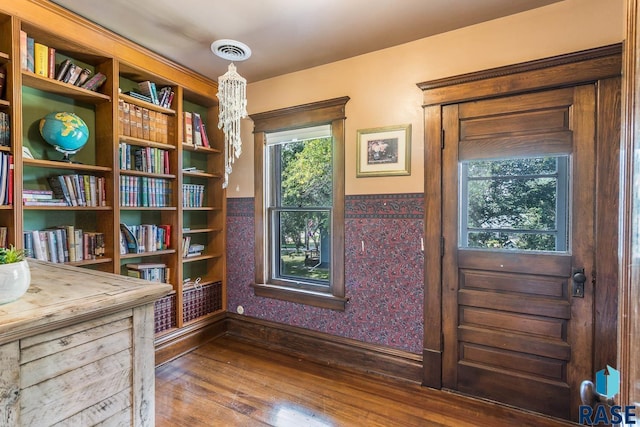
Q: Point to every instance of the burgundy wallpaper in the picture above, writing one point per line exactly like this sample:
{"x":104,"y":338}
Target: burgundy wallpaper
{"x":384,"y":283}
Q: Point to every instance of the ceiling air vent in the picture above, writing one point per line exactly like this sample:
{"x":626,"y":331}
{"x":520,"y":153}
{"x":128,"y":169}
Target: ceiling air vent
{"x":231,"y":50}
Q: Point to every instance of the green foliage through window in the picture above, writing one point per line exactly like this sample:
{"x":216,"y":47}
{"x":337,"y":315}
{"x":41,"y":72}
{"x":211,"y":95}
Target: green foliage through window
{"x":515,"y":204}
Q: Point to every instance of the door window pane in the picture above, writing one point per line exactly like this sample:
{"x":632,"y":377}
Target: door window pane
{"x":515,"y":204}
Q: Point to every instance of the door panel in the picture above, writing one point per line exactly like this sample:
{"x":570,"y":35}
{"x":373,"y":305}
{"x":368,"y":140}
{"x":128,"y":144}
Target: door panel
{"x":512,"y":331}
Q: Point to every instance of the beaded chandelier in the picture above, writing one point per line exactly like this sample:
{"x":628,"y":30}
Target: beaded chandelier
{"x":232,"y":94}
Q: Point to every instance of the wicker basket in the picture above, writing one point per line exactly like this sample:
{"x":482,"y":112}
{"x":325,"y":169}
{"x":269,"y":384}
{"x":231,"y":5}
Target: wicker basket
{"x":165,"y":312}
{"x":200,"y":301}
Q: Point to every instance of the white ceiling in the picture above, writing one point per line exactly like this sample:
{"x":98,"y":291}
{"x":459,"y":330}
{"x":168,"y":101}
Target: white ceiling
{"x":284,"y":35}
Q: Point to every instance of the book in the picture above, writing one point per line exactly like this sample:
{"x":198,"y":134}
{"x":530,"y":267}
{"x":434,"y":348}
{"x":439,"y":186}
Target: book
{"x":51,"y":66}
{"x":73,"y":74}
{"x":188,"y":127}
{"x":139,"y":96}
{"x":120,"y":117}
{"x":49,"y":202}
{"x":30,"y":54}
{"x":38,"y":251}
{"x":3,"y":80}
{"x":41,"y":59}
{"x":145,"y":265}
{"x":23,"y":51}
{"x":27,"y":239}
{"x":94,"y":83}
{"x":126,"y":122}
{"x":63,"y":68}
{"x":83,"y":77}
{"x":70,"y":72}
{"x":205,"y":138}
{"x":197,"y":129}
{"x":130,"y":238}
{"x":59,"y":188}
{"x":9,"y":200}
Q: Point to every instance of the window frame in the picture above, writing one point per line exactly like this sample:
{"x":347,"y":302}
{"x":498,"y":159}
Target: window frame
{"x":331,"y":112}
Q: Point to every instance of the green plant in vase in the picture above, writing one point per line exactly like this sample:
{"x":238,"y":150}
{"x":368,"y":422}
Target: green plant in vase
{"x":10,"y":255}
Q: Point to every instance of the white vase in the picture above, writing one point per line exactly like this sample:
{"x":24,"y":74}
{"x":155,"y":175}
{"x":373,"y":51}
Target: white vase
{"x":15,"y":279}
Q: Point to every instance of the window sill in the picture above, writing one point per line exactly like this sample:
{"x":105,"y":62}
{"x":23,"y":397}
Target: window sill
{"x":301,"y":296}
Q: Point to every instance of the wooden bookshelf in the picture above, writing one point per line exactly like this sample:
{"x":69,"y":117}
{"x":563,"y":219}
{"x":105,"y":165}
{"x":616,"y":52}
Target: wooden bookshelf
{"x":28,"y":97}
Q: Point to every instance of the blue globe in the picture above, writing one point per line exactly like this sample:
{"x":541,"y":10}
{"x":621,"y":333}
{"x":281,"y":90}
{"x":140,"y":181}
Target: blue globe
{"x":65,"y":131}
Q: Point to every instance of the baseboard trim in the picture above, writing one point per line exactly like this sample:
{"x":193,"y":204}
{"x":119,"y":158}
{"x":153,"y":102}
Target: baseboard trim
{"x":432,"y":377}
{"x":327,"y":349}
{"x":174,"y":344}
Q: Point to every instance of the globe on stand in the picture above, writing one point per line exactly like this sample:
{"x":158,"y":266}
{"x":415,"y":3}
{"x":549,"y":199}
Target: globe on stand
{"x":66,"y":132}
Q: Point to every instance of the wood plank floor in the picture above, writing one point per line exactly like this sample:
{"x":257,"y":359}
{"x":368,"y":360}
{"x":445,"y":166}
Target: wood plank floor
{"x":232,"y":383}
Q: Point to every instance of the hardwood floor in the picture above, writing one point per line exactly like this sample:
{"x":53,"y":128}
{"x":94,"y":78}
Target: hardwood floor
{"x":232,"y":383}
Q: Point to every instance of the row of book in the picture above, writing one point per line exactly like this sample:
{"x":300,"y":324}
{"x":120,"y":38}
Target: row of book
{"x":144,"y":159}
{"x":142,"y":191}
{"x":40,"y":59}
{"x":68,"y":72}
{"x":190,"y":249}
{"x":192,"y":195}
{"x":143,"y":123}
{"x":195,"y":132}
{"x":144,"y":238}
{"x":162,"y":97}
{"x":6,"y":178}
{"x":63,"y":244}
{"x":154,"y":272}
{"x":69,"y":190}
{"x":5,"y":128}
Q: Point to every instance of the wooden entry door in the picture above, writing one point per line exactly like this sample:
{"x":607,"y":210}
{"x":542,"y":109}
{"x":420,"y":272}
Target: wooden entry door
{"x":519,"y":230}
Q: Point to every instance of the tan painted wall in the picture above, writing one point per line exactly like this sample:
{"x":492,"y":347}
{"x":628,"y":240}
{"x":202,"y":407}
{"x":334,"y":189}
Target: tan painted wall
{"x":382,"y":84}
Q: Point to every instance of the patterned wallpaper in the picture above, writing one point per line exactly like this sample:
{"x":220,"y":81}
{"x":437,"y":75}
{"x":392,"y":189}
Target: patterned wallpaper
{"x":384,"y":283}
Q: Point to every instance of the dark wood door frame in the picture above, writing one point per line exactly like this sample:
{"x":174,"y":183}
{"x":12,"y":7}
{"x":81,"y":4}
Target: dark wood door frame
{"x":600,"y":66}
{"x":629,"y":313}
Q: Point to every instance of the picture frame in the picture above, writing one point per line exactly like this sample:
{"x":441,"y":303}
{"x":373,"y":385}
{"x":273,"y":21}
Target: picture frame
{"x":384,"y":151}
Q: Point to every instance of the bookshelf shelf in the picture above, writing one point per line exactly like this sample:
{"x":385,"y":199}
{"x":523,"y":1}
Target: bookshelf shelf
{"x":206,"y":150}
{"x":147,"y":254}
{"x":6,"y":207}
{"x":67,"y":208}
{"x":148,"y":174}
{"x":99,"y":260}
{"x":202,"y":209}
{"x":149,"y":105}
{"x":200,"y":174}
{"x":148,"y":208}
{"x":7,"y":149}
{"x":145,"y":143}
{"x":201,"y":230}
{"x":52,"y":164}
{"x":4,"y":103}
{"x":200,"y":258}
{"x":64,"y":89}
{"x":4,"y":57}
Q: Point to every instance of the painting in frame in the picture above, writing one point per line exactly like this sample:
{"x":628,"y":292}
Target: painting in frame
{"x":384,"y":151}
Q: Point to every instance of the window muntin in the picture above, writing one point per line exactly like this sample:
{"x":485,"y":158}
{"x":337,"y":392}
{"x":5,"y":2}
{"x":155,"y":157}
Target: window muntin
{"x":515,"y":204}
{"x":299,"y":189}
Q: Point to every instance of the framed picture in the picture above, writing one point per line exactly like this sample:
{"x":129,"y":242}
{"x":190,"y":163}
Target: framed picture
{"x":384,"y":151}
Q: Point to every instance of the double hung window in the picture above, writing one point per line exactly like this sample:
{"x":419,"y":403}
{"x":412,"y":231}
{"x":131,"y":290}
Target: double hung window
{"x":299,"y":208}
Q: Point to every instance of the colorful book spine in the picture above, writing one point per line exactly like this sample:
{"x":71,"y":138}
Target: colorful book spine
{"x":30,"y":54}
